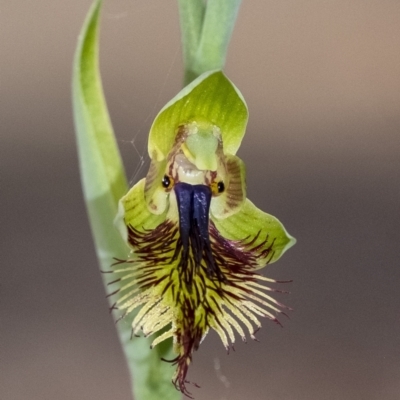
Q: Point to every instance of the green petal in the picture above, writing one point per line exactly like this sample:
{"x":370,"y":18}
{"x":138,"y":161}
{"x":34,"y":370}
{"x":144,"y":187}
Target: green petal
{"x":211,"y":99}
{"x":234,"y":196}
{"x":155,"y":195}
{"x":251,"y":223}
{"x":133,"y":211}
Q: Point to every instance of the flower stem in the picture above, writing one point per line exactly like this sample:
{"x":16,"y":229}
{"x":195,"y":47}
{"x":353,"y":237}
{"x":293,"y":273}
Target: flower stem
{"x":206,"y":29}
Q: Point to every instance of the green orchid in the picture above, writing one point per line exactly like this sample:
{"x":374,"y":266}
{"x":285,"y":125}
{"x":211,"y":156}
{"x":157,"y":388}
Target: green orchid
{"x":196,"y":240}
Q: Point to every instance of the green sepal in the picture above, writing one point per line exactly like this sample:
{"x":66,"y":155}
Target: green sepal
{"x":250,"y":222}
{"x":211,"y":98}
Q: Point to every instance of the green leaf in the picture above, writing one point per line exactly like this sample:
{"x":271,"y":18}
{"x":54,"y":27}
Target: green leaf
{"x":104,"y":183}
{"x":211,"y":99}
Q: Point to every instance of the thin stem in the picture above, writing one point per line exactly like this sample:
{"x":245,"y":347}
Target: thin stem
{"x":206,"y":30}
{"x":191,"y":15}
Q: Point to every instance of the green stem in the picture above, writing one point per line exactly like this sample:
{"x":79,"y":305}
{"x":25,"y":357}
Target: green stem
{"x":206,"y":30}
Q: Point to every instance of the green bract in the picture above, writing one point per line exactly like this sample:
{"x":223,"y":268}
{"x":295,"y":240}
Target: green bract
{"x":197,"y":240}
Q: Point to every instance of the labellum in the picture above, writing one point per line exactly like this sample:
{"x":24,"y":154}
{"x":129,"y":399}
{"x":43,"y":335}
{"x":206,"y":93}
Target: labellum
{"x":197,"y":241}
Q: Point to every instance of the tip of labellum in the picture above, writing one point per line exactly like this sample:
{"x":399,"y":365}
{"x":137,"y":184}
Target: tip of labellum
{"x":193,"y":207}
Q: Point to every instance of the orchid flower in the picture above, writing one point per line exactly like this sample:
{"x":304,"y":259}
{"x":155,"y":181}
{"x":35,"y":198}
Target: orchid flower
{"x":197,"y":242}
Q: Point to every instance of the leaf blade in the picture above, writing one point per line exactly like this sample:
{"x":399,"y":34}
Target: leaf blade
{"x":103,"y":184}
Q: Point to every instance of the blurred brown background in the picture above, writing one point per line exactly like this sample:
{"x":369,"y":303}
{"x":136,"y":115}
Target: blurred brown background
{"x":322,"y":82}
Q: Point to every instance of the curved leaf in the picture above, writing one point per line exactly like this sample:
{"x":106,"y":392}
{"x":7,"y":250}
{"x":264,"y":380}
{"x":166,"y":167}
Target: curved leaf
{"x":104,"y":183}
